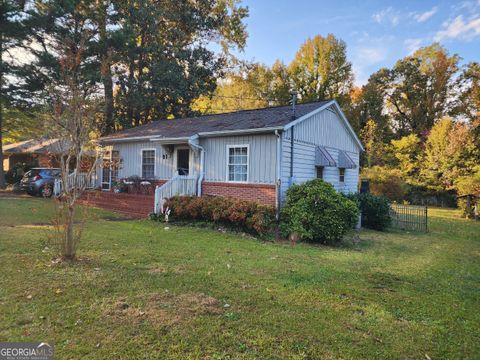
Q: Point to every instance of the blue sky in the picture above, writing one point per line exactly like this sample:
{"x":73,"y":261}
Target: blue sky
{"x":377,"y":33}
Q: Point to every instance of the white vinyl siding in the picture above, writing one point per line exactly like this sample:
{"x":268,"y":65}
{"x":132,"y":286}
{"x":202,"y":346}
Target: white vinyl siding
{"x":261,"y":157}
{"x":304,"y":168}
{"x":148,"y":163}
{"x":326,"y":129}
{"x":237,"y":163}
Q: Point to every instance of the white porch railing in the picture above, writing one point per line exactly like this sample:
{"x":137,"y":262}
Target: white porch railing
{"x":179,"y":185}
{"x":82,"y":180}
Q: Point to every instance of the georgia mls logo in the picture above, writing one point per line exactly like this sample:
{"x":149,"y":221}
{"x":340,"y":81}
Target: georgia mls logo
{"x":26,"y":351}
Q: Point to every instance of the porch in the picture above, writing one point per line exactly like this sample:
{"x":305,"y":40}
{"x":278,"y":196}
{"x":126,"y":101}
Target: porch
{"x":154,"y":170}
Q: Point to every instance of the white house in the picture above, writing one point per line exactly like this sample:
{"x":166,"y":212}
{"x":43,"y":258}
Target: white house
{"x":251,"y":154}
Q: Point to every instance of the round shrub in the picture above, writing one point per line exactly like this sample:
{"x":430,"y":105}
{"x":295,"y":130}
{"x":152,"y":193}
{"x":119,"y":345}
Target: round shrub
{"x":375,"y":210}
{"x":315,"y":211}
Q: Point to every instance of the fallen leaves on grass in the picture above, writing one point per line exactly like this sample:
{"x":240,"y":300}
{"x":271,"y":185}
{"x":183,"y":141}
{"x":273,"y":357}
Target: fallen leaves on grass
{"x":162,"y":309}
{"x":161,"y":269}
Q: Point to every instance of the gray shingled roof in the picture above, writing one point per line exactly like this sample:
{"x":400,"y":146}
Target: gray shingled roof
{"x":240,"y":120}
{"x":32,"y":146}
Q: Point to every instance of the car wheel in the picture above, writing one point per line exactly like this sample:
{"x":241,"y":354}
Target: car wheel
{"x":46,"y":191}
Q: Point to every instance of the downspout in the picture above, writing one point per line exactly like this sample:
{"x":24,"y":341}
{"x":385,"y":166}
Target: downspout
{"x":291,"y":157}
{"x":279,"y":177}
{"x":294,"y":116}
{"x":192,"y":142}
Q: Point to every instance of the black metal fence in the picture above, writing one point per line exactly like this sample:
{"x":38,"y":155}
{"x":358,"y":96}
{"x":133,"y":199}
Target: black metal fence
{"x":409,"y":217}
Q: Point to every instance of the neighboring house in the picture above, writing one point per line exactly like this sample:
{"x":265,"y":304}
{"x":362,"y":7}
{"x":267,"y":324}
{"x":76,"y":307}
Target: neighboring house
{"x":244,"y":154}
{"x":36,"y":152}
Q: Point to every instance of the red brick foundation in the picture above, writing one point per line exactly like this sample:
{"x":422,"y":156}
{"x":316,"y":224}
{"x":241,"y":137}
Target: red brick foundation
{"x":140,"y":206}
{"x":134,"y":205}
{"x":262,"y":193}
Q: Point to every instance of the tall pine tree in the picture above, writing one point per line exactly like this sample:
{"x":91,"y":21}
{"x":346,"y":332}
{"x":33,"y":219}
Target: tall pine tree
{"x":11,"y":36}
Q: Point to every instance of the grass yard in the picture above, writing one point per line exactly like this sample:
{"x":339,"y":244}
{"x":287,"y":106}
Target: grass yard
{"x":143,"y":292}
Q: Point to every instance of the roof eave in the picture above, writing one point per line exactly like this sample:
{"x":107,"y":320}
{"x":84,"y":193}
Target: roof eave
{"x":240,"y":132}
{"x":124,"y":139}
{"x":182,"y":139}
{"x":170,"y":141}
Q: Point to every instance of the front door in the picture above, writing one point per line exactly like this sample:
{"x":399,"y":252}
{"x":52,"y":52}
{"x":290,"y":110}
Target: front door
{"x":183,"y":161}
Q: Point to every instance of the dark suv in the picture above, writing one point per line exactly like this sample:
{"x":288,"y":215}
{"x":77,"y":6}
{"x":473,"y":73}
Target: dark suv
{"x":39,"y":181}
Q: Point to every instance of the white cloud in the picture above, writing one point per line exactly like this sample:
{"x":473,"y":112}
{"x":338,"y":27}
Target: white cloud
{"x":412,"y":45}
{"x":458,"y":28}
{"x":469,"y":6}
{"x":388,"y":15}
{"x":425,"y":15}
{"x":372,"y":55}
{"x":363,"y":60}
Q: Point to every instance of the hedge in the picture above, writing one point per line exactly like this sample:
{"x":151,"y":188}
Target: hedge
{"x":241,"y":215}
{"x":375,"y":210}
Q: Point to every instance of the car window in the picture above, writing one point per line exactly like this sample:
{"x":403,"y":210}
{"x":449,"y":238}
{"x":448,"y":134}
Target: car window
{"x":49,"y":172}
{"x":32,"y":173}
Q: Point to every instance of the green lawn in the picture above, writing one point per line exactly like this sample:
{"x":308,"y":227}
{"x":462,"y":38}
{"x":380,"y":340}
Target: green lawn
{"x":143,"y":291}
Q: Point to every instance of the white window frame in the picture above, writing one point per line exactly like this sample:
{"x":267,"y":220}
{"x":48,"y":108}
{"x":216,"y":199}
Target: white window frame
{"x":154,"y":161}
{"x":228,"y":162}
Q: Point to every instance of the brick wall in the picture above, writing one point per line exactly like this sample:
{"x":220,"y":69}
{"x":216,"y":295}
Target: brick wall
{"x":262,"y":193}
{"x":134,"y":205}
{"x":140,"y":206}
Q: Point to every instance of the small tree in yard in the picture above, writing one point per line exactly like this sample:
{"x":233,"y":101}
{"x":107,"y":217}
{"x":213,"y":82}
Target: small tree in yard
{"x":73,"y":122}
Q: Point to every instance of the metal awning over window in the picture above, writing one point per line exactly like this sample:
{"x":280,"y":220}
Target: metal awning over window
{"x":323,"y":157}
{"x":345,"y":161}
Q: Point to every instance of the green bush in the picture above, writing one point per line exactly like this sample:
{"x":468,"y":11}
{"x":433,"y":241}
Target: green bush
{"x":316,"y":212}
{"x":375,"y":210}
{"x":467,"y":185}
{"x":242,"y":215}
{"x":421,"y":195}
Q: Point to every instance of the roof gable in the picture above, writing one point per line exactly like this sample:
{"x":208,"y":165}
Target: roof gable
{"x":329,"y":104}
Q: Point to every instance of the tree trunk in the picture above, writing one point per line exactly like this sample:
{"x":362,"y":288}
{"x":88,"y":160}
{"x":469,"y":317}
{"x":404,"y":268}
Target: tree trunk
{"x":105,"y":69}
{"x":2,"y":172}
{"x":130,"y":102}
{"x":70,"y":247}
{"x":108,"y":89}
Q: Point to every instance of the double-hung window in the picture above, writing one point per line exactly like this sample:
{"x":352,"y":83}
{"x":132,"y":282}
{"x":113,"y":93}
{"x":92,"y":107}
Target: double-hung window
{"x":342,"y":175}
{"x":148,"y":164}
{"x":237,"y":163}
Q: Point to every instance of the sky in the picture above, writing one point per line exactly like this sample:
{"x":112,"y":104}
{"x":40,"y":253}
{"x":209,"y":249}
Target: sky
{"x":377,"y":33}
